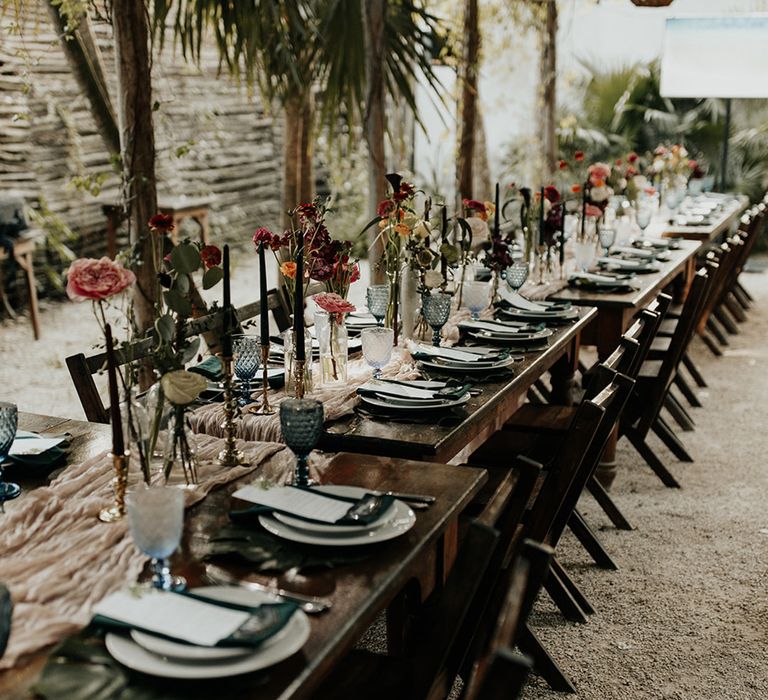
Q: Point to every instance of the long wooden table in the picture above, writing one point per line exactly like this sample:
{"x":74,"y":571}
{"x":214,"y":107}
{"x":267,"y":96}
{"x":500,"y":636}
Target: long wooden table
{"x":726,"y":220}
{"x":480,"y":418}
{"x":360,"y":591}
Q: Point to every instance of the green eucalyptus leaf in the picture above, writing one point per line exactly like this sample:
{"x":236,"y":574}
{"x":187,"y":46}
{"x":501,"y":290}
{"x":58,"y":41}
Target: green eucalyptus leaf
{"x":450,"y":253}
{"x":212,"y":277}
{"x":166,"y":327}
{"x":178,"y":303}
{"x":185,"y":258}
{"x":181,"y":283}
{"x":191,"y":350}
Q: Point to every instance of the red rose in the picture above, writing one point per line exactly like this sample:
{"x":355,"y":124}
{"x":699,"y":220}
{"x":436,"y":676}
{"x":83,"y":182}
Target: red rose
{"x":551,"y":193}
{"x":579,"y":155}
{"x":88,"y":278}
{"x":631,"y":172}
{"x":632,"y":157}
{"x":385,"y":208}
{"x":576,"y":188}
{"x":211,"y":256}
{"x":562,"y":165}
{"x":161,"y":223}
{"x":593,"y":211}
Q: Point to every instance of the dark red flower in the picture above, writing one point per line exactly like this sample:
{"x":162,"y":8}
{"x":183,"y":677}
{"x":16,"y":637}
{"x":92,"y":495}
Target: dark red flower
{"x":385,"y":208}
{"x":632,"y":157}
{"x":161,"y":223}
{"x":579,"y":156}
{"x":551,"y":193}
{"x":355,"y":273}
{"x":263,"y":235}
{"x":562,"y":165}
{"x":474,"y":205}
{"x":211,"y":256}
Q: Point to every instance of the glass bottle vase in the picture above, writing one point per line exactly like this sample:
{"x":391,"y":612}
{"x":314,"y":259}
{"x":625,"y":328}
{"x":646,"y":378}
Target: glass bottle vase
{"x":334,"y":341}
{"x":288,"y":362}
{"x":180,"y":456}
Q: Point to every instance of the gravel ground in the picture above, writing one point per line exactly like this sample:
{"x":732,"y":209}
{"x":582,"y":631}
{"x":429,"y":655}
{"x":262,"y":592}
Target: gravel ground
{"x":685,"y":616}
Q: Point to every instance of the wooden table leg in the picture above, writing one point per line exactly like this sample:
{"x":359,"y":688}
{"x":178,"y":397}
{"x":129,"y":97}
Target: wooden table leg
{"x":610,"y":326}
{"x":27,"y":264}
{"x":565,"y":386}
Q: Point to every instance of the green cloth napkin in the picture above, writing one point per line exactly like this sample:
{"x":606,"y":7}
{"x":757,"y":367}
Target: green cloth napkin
{"x":211,"y":368}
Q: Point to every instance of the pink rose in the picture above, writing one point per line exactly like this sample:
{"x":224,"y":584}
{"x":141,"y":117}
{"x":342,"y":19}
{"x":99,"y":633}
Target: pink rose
{"x":88,"y":278}
{"x":334,"y":304}
{"x":593,"y":211}
{"x":599,"y":171}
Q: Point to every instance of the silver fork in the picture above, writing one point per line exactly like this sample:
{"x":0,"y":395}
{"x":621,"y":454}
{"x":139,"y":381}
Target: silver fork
{"x":312,"y":605}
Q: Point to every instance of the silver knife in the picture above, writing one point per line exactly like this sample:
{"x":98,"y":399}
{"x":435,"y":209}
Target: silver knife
{"x":309,"y":604}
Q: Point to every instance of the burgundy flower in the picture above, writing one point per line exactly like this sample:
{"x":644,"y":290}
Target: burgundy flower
{"x":211,"y":256}
{"x":632,"y":157}
{"x":385,"y":208}
{"x":551,"y":193}
{"x":263,"y":235}
{"x":562,"y":165}
{"x":161,"y":223}
{"x":578,"y":156}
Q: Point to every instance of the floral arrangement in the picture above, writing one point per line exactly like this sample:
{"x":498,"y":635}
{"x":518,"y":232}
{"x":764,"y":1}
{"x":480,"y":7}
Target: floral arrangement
{"x":672,"y":161}
{"x":335,"y":305}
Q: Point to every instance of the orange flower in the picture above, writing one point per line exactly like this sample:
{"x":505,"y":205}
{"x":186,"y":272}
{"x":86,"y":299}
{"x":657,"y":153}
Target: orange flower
{"x":578,"y":156}
{"x":288,"y":269}
{"x":402,"y":229}
{"x":576,"y":188}
{"x":599,"y":183}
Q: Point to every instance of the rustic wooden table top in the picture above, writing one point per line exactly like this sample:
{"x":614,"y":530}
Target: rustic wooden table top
{"x":648,"y":285}
{"x":359,"y":591}
{"x":725,"y":219}
{"x":477,"y":420}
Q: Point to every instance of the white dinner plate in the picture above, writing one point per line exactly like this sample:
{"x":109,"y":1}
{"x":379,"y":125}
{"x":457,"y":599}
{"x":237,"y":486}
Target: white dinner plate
{"x":415,"y":405}
{"x":403,"y":520}
{"x":467,"y":366}
{"x":168,"y":664}
{"x":323,"y":528}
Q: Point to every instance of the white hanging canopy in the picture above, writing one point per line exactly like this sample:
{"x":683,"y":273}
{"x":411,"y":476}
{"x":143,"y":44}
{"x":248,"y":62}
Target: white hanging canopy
{"x":724,"y":56}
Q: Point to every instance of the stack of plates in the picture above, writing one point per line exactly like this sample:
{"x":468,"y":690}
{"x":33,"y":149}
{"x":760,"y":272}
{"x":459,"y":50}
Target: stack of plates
{"x":499,"y":332}
{"x":604,"y":282}
{"x":276,"y":350}
{"x":358,"y":320}
{"x":416,"y":395}
{"x":464,"y":360}
{"x":522,"y":309}
{"x":640,"y":267}
{"x":158,"y":656}
{"x":393,"y":522}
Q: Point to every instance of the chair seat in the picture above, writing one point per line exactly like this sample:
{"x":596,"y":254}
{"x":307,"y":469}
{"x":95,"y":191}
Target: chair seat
{"x":541,"y":417}
{"x":650,"y":370}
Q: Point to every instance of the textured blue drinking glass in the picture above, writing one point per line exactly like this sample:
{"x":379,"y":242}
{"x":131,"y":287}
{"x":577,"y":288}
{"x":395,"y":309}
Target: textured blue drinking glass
{"x":301,"y":421}
{"x":8,"y":424}
{"x":378,"y":300}
{"x":517,"y":274}
{"x":436,"y":309}
{"x":607,"y":235}
{"x":247,"y":351}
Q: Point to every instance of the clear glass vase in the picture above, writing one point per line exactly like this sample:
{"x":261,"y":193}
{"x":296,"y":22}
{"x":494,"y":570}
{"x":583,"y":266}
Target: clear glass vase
{"x":288,"y":362}
{"x":410,"y":301}
{"x":334,"y":348}
{"x":145,"y":416}
{"x":180,"y":456}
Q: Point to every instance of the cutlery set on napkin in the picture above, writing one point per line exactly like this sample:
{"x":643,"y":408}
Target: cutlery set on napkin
{"x":35,"y":455}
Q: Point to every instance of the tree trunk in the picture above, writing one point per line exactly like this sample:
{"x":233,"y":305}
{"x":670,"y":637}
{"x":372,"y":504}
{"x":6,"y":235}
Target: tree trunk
{"x":134,"y":83}
{"x":306,"y":151}
{"x":291,"y":159}
{"x":468,"y":109}
{"x":85,"y":62}
{"x":374,"y":14}
{"x":481,"y":169}
{"x":548,"y":89}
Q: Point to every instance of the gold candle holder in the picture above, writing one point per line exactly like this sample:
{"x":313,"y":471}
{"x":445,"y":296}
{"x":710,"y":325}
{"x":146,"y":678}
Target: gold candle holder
{"x":230,"y":456}
{"x":265,"y":409}
{"x":299,"y":378}
{"x":117,"y":510}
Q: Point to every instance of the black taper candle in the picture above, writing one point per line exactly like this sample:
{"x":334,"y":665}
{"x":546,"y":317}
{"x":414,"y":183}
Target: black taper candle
{"x":497,"y":214}
{"x":264,"y":310}
{"x":443,"y":241}
{"x":226,"y":326}
{"x":562,"y":235}
{"x":298,"y":299}
{"x":541,"y":216}
{"x":118,"y":444}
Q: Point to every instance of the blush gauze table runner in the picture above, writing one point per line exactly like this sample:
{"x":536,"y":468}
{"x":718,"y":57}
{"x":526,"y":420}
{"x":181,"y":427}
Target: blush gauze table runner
{"x":58,"y":560}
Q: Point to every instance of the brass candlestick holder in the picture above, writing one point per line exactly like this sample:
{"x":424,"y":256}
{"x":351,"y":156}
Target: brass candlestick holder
{"x":120,"y":483}
{"x":230,"y":456}
{"x":265,"y":409}
{"x":299,"y":378}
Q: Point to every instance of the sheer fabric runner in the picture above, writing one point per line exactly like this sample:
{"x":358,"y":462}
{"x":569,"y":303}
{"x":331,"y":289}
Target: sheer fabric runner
{"x":58,"y":560}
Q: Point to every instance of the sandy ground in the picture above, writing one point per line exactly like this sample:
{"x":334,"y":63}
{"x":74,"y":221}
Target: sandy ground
{"x":685,"y":617}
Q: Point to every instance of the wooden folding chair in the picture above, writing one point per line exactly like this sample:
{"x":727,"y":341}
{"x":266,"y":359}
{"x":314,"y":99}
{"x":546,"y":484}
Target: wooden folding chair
{"x":653,"y":382}
{"x":82,"y":367}
{"x":499,"y":672}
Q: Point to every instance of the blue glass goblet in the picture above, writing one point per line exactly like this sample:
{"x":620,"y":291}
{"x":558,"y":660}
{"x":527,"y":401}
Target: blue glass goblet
{"x":436,"y":308}
{"x":517,"y":274}
{"x":8,"y":424}
{"x":301,"y":421}
{"x":378,"y":300}
{"x":247,"y":350}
